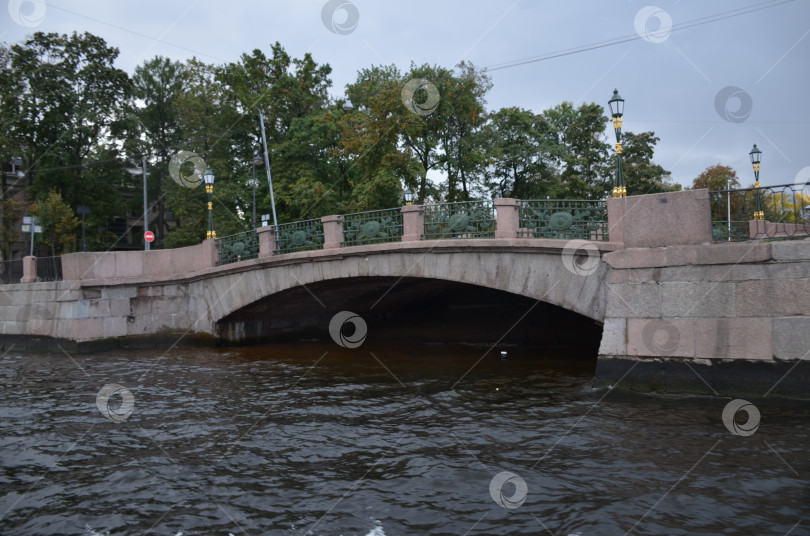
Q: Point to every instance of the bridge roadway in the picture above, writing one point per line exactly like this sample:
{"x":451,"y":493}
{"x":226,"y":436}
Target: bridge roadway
{"x":679,"y":313}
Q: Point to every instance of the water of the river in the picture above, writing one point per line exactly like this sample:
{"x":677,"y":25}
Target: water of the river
{"x":304,"y":439}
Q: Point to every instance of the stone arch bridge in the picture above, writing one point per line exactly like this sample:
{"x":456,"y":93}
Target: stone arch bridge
{"x":676,"y":309}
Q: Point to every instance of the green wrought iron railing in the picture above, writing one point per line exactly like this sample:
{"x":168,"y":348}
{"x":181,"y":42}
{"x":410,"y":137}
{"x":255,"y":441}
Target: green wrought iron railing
{"x":467,"y":219}
{"x":733,"y":231}
{"x":299,"y":236}
{"x":238,"y":247}
{"x":373,"y":227}
{"x":785,"y":211}
{"x":563,"y":218}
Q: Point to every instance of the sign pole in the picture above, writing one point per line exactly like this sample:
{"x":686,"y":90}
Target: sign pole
{"x":145,"y":206}
{"x":267,"y":165}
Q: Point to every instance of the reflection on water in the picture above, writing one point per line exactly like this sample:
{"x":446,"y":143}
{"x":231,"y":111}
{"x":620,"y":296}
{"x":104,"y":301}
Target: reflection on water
{"x":314,"y":439}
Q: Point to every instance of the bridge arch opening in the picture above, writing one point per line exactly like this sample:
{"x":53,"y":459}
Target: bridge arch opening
{"x":413,"y":312}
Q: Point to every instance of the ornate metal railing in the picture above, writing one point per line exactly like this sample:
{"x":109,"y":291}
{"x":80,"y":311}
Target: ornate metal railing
{"x":11,"y":271}
{"x":467,"y":219}
{"x":733,"y":231}
{"x":563,"y":218}
{"x":238,"y":247}
{"x":299,"y":236}
{"x":785,"y":210}
{"x":373,"y":227}
{"x":49,"y":268}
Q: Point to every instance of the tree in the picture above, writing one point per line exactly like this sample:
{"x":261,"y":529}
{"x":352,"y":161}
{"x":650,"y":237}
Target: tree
{"x":585,"y":170}
{"x":158,"y":83}
{"x":461,"y":138}
{"x":10,"y":232}
{"x":523,"y":154}
{"x":717,"y":177}
{"x":734,"y":207}
{"x":63,"y":104}
{"x":641,"y":174}
{"x":58,"y":223}
{"x":300,"y":123}
{"x":369,"y":138}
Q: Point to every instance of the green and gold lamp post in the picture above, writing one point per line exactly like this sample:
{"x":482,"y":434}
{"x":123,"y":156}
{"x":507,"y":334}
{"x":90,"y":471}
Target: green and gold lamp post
{"x":617,"y":111}
{"x":408,"y":197}
{"x":756,"y":158}
{"x":209,"y":189}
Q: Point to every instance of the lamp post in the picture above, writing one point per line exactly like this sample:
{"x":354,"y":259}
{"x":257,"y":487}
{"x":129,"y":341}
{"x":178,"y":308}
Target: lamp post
{"x":408,"y":197}
{"x":756,"y":158}
{"x":616,"y":104}
{"x":209,"y":189}
{"x":83,"y":210}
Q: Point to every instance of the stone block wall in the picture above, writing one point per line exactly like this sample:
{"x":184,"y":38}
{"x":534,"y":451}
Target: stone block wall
{"x":699,"y":306}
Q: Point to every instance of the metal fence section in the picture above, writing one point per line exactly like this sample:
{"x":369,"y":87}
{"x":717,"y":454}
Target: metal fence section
{"x":49,"y":268}
{"x":467,"y":219}
{"x":299,"y":236}
{"x":730,"y":231}
{"x":374,"y":227}
{"x":786,"y":211}
{"x":11,"y":271}
{"x":238,"y":247}
{"x":563,"y":218}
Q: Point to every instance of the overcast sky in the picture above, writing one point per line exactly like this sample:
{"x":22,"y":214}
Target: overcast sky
{"x":709,"y":91}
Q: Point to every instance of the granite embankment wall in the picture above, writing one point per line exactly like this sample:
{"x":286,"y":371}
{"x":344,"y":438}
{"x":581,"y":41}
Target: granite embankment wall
{"x":719,"y":318}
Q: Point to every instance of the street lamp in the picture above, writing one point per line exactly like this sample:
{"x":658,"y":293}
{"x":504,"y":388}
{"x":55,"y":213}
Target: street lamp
{"x":616,"y":104}
{"x":408,"y":197}
{"x":83,"y":210}
{"x":257,"y":161}
{"x":209,"y":189}
{"x":756,"y":158}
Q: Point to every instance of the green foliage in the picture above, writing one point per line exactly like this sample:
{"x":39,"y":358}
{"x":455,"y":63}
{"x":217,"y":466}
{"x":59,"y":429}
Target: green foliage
{"x":63,"y":106}
{"x":584,"y":171}
{"x":641,"y":174}
{"x":58,"y":223}
{"x":10,"y":232}
{"x":523,"y":155}
{"x":717,"y":177}
{"x":77,"y":121}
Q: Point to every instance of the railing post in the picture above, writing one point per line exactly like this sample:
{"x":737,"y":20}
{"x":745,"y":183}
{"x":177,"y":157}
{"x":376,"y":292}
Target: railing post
{"x":413,"y":222}
{"x":757,"y":229}
{"x":507,"y":217}
{"x":332,"y":231}
{"x":29,"y":270}
{"x":267,"y":240}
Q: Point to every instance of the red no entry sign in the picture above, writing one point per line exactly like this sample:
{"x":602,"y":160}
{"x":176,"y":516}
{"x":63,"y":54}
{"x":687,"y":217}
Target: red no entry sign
{"x":148,"y":236}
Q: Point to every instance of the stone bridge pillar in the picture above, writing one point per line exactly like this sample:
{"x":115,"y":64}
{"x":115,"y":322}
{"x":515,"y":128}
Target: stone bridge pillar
{"x":29,"y":270}
{"x":267,"y":240}
{"x":413,"y":222}
{"x":660,"y":220}
{"x":506,"y":224}
{"x":332,"y":231}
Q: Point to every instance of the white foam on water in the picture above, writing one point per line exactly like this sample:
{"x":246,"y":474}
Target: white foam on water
{"x":376,"y":531}
{"x":90,"y":532}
